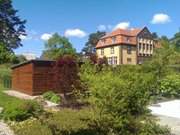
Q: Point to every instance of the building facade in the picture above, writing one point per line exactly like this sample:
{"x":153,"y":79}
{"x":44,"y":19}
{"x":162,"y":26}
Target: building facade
{"x":126,"y":46}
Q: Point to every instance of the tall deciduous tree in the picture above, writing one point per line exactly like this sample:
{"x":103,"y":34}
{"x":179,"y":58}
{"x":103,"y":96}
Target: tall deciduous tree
{"x":11,"y":26}
{"x":58,"y":46}
{"x":92,"y":42}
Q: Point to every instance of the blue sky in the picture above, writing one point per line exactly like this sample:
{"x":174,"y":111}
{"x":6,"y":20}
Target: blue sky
{"x":78,"y":18}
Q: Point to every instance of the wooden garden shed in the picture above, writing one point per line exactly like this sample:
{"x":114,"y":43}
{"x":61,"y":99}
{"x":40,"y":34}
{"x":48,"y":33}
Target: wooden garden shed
{"x":33,"y":77}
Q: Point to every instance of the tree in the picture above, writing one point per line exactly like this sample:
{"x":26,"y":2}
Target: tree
{"x":11,"y":26}
{"x":58,"y":46}
{"x":162,"y":58}
{"x":66,"y":74}
{"x":164,"y":38}
{"x":16,"y":59}
{"x":92,"y":42}
{"x":176,"y":40}
{"x":155,"y":35}
{"x":9,"y":57}
{"x":5,"y":55}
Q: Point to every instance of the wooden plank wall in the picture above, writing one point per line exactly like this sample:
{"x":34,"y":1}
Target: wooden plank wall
{"x":22,"y":79}
{"x":34,"y":78}
{"x":43,"y":79}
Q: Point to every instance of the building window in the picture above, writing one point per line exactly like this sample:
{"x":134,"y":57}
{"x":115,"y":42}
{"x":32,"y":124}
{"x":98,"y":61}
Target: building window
{"x":140,"y":46}
{"x":102,"y":51}
{"x":115,"y":60}
{"x":147,"y":47}
{"x":112,"y":60}
{"x":143,"y":47}
{"x":128,"y":60}
{"x":113,"y":40}
{"x":112,"y":50}
{"x":129,"y":49}
{"x":150,"y":47}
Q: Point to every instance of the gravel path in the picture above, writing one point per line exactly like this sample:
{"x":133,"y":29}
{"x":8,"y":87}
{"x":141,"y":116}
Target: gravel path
{"x":173,"y":123}
{"x":19,"y":94}
{"x":4,"y":129}
{"x":169,"y":114}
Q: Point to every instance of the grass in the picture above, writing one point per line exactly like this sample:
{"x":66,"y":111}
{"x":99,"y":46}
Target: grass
{"x":6,"y":100}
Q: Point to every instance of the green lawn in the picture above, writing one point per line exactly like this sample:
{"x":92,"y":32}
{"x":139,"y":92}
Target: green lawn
{"x":6,"y":100}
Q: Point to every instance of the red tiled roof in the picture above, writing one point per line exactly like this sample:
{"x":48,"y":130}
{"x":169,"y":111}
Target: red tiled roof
{"x":121,"y":37}
{"x":125,"y":32}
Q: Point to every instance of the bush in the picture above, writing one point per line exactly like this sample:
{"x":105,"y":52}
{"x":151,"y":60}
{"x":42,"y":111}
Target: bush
{"x":66,"y":77}
{"x":31,"y":127}
{"x":64,"y":122}
{"x":151,"y":128}
{"x":51,"y":96}
{"x":20,"y":112}
{"x":48,"y":95}
{"x":70,"y":122}
{"x":170,"y":86}
{"x":119,"y":97}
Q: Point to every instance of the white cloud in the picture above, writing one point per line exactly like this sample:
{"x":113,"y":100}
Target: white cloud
{"x":22,"y":37}
{"x":46,"y":36}
{"x":75,"y":33}
{"x":160,"y":18}
{"x":102,"y":27}
{"x":122,"y":25}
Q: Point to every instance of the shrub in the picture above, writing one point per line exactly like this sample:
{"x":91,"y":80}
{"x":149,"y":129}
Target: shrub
{"x":170,"y":86}
{"x":64,"y":122}
{"x":48,"y":95}
{"x":20,"y":112}
{"x":31,"y":127}
{"x":119,"y":97}
{"x":51,"y":96}
{"x":55,"y":99}
{"x":151,"y":128}
{"x":70,"y":122}
{"x":66,"y":72}
{"x":93,"y":58}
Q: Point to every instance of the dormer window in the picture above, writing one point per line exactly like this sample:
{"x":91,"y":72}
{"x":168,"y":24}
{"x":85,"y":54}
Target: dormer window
{"x":128,"y":39}
{"x":103,"y":41}
{"x":113,"y":40}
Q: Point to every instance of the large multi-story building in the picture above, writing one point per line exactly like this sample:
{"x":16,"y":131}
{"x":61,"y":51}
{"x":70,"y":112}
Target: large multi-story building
{"x":126,"y":46}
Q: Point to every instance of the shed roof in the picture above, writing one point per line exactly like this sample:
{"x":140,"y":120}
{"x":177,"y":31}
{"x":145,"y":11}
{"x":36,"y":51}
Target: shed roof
{"x":44,"y":62}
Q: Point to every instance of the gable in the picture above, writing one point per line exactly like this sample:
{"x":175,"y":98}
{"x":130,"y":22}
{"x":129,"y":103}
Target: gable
{"x":145,"y":33}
